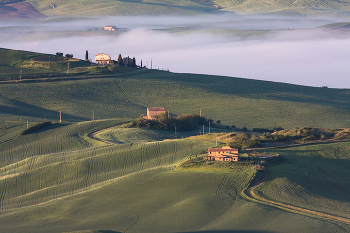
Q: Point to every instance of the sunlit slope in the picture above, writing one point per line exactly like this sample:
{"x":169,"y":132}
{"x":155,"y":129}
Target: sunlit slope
{"x":8,"y":60}
{"x":191,"y":7}
{"x":119,"y":7}
{"x":316,"y":177}
{"x":287,"y":7}
{"x":234,"y":101}
{"x":51,"y":139}
{"x":61,"y":161}
{"x":162,"y":201}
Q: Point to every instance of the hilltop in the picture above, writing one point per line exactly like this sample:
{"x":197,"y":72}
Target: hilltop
{"x":127,"y":92}
{"x":287,"y":8}
{"x":63,"y":177}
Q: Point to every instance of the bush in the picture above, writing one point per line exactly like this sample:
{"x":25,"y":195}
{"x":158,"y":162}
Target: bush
{"x":183,"y":122}
{"x":36,"y":127}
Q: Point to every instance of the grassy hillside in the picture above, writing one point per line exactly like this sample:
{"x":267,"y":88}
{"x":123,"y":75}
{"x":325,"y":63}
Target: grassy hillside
{"x":119,"y":7}
{"x":234,"y":101}
{"x":61,"y":160}
{"x":288,"y":7}
{"x":316,"y":177}
{"x":57,"y":179}
{"x":191,"y":7}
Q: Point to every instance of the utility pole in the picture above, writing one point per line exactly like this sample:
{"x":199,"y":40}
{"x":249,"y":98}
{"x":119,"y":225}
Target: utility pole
{"x":27,"y":124}
{"x":175,"y":131}
{"x":20,"y":75}
{"x":209,"y":126}
{"x":68,"y":68}
{"x":203,"y":129}
{"x":60,"y":117}
{"x":216,"y":140}
{"x":151,"y":63}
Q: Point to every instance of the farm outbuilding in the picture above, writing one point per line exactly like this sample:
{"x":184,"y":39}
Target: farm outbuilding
{"x":225,"y":153}
{"x":152,"y":112}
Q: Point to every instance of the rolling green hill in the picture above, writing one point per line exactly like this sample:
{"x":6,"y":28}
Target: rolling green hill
{"x":191,"y":7}
{"x":316,"y":177}
{"x":234,"y":101}
{"x":120,"y":7}
{"x":68,"y":182}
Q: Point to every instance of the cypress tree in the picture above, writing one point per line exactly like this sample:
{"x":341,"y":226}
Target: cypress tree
{"x":120,"y":60}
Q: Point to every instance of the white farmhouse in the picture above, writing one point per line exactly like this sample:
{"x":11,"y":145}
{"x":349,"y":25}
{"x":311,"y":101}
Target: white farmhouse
{"x":102,"y":59}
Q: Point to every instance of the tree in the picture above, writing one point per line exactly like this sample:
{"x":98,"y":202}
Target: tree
{"x":133,"y":62}
{"x":120,"y":60}
{"x":86,"y":56}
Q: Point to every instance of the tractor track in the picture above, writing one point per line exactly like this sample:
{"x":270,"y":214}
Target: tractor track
{"x":249,"y":194}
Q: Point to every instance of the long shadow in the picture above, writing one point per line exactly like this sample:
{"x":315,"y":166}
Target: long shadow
{"x":259,"y":89}
{"x":319,"y":176}
{"x":20,"y":108}
{"x":226,"y":231}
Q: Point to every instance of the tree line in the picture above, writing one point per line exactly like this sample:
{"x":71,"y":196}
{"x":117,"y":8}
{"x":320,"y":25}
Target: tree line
{"x":184,"y":122}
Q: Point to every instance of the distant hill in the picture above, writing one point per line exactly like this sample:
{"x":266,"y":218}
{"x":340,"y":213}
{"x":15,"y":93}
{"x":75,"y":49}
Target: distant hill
{"x":192,"y":7}
{"x":127,"y":93}
{"x":14,"y":9}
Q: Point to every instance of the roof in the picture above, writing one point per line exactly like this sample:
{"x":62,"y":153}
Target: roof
{"x":101,"y":54}
{"x":156,"y":109}
{"x":221,"y":149}
{"x":112,"y":26}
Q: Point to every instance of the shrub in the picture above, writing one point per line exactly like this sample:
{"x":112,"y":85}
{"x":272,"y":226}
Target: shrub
{"x":36,"y":127}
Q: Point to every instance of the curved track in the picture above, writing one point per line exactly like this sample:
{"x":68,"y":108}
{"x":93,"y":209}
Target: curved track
{"x":252,"y":196}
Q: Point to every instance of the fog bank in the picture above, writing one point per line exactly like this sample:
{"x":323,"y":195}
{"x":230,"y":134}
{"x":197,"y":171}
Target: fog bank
{"x":304,"y":57}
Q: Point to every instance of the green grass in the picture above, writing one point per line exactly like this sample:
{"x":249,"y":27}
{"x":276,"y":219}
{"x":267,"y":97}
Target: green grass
{"x":57,"y":179}
{"x":162,"y":201}
{"x":61,"y":160}
{"x":187,"y":7}
{"x":315,"y":177}
{"x":234,"y":101}
{"x":296,"y":8}
{"x":120,"y":7}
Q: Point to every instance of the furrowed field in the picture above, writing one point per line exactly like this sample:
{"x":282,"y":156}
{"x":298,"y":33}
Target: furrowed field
{"x":58,"y":179}
{"x":316,"y":177}
{"x":234,"y":101}
{"x":172,"y":7}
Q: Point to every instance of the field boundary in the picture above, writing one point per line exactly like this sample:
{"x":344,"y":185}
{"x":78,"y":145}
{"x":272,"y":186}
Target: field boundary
{"x":249,"y":194}
{"x":92,"y":135}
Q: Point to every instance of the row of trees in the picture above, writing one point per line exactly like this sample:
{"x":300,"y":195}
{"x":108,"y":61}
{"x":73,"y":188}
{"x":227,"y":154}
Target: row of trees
{"x":183,"y":122}
{"x":126,"y":61}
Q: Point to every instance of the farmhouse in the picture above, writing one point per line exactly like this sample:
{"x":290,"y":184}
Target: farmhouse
{"x":103,"y":59}
{"x":152,"y":112}
{"x":225,"y":153}
{"x":110,"y":28}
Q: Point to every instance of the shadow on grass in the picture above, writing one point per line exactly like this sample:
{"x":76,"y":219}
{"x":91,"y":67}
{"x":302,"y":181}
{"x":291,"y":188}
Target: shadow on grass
{"x":226,"y":231}
{"x":321,"y":169}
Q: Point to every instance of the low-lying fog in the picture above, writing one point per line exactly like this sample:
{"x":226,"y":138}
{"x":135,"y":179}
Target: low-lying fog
{"x":206,"y":45}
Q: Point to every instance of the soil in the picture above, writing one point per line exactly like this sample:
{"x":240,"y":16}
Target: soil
{"x":19,"y":10}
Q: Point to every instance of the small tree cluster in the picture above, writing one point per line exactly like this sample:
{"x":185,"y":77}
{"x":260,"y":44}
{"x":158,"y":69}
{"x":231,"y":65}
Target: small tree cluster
{"x":184,"y":122}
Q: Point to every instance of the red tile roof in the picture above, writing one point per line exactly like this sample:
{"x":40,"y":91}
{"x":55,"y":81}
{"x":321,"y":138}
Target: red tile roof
{"x":156,"y":109}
